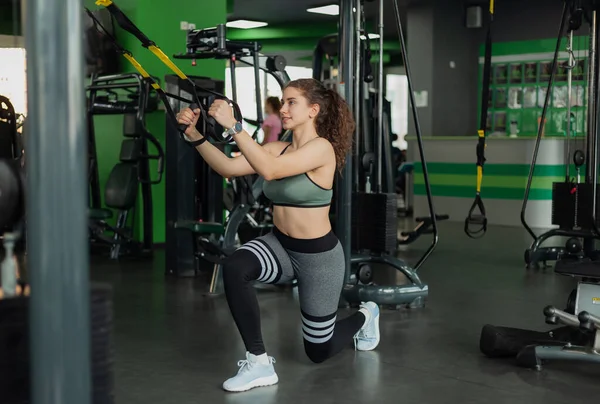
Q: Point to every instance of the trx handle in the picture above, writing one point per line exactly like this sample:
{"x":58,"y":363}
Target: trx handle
{"x":479,"y":218}
{"x":475,"y":218}
{"x":237,"y":114}
{"x":182,"y":126}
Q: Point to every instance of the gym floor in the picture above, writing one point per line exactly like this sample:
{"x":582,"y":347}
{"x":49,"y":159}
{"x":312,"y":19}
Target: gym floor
{"x":175,"y":345}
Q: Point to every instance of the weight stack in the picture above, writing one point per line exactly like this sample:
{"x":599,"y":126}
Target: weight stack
{"x":14,"y":348}
{"x":374,"y":222}
{"x":565,"y":201}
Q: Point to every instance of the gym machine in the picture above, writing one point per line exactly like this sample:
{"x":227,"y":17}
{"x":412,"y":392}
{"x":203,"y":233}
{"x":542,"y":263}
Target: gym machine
{"x":10,"y":145}
{"x":574,"y":207}
{"x":367,"y":215}
{"x":12,"y":175}
{"x":574,"y":210}
{"x":131,"y":96}
{"x":371,"y":169}
{"x":194,"y":192}
{"x":195,"y":238}
{"x":12,"y":199}
{"x":10,"y":154}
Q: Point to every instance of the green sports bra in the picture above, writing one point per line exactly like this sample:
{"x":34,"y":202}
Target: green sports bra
{"x":297,"y":191}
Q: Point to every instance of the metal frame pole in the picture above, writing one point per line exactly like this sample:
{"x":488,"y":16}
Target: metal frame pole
{"x":57,"y":204}
{"x":358,"y":83}
{"x":379,"y":141}
{"x":592,"y":157}
{"x":569,"y":93}
{"x":344,"y":183}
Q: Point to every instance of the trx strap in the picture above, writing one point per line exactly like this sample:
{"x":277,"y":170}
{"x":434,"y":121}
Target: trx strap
{"x":126,"y":24}
{"x":479,"y":219}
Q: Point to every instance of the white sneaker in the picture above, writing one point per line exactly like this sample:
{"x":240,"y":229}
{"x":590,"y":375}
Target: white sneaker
{"x":367,"y":338}
{"x":255,"y":371}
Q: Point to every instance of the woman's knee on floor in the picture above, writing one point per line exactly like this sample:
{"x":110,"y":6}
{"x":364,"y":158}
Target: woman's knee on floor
{"x":317,"y":353}
{"x":318,"y":332}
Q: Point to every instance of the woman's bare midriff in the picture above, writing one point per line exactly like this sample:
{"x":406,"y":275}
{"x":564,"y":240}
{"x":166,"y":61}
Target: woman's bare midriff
{"x":302,"y":223}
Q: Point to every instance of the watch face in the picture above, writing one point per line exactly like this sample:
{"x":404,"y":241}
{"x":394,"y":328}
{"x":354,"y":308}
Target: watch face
{"x":238,"y":127}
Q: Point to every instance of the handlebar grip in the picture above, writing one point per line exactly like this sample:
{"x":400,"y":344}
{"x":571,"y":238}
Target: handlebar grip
{"x":477,"y":219}
{"x":182,"y":126}
{"x":161,"y":165}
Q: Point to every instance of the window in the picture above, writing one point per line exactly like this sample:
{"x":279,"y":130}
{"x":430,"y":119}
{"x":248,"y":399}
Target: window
{"x":397,"y":95}
{"x":13,"y":76}
{"x":245,"y":90}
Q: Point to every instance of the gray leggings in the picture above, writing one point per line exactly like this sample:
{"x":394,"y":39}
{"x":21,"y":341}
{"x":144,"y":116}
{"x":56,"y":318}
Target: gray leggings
{"x":317,"y":264}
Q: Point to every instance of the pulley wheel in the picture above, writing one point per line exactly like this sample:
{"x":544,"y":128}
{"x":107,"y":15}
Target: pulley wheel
{"x":276,"y":63}
{"x":367,"y":160}
{"x":578,"y":158}
{"x":365,"y":274}
{"x":573,"y":245}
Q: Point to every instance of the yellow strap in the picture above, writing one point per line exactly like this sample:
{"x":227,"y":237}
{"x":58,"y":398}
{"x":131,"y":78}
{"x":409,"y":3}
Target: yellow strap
{"x":137,"y":66}
{"x":140,"y":69}
{"x":481,"y":133}
{"x":491,"y":6}
{"x":479,"y":178}
{"x":104,"y":3}
{"x":167,"y":61}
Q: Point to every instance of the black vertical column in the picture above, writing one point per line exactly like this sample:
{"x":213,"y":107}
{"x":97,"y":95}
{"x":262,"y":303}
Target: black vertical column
{"x":57,"y":204}
{"x":344,"y":183}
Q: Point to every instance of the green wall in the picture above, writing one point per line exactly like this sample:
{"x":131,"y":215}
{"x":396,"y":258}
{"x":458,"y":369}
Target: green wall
{"x":502,"y":181}
{"x":162,"y":25}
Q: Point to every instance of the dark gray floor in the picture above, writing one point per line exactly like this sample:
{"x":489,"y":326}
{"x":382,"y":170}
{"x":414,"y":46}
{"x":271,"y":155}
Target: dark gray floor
{"x":174,"y":345}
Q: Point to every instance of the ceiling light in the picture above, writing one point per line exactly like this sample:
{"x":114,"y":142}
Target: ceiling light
{"x":332,"y":9}
{"x":245,"y":24}
{"x":371,"y":36}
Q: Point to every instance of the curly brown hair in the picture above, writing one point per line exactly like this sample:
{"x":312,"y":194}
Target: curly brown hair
{"x":334,"y":121}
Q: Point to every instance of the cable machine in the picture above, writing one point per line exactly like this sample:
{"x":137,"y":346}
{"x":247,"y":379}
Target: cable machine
{"x":574,"y":210}
{"x":194,"y":238}
{"x":369,"y":227}
{"x":574,"y":207}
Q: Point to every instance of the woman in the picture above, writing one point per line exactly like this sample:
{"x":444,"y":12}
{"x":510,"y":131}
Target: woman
{"x":272,"y":124}
{"x":298,"y":179}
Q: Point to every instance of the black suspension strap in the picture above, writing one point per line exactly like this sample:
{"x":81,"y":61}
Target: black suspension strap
{"x":476,"y":221}
{"x":129,"y":56}
{"x":126,"y":24}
